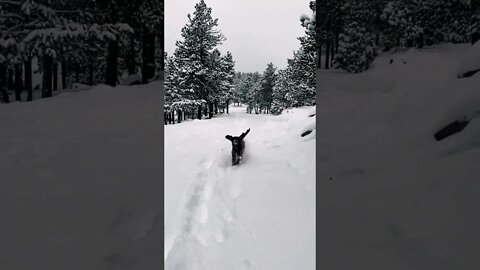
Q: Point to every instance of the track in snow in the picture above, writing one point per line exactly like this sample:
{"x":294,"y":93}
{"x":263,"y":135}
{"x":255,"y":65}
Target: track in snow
{"x":211,"y":220}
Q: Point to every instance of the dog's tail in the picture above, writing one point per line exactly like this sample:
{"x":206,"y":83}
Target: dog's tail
{"x":244,"y":134}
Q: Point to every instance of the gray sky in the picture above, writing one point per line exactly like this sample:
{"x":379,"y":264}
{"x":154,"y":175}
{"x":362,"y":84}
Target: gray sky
{"x":257,"y":31}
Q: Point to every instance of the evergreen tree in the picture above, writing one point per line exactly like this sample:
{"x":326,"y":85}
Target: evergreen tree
{"x":357,"y":48}
{"x":200,"y":37}
{"x":296,"y":85}
{"x":227,"y":79}
{"x":252,"y":90}
{"x":198,"y":76}
{"x":178,"y":98}
{"x":283,"y":85}
{"x":306,"y":54}
{"x":266,"y":87}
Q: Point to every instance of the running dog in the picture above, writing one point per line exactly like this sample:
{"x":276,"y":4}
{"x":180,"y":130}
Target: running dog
{"x":238,"y":146}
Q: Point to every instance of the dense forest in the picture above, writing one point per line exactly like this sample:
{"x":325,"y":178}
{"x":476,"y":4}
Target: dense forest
{"x":201,"y":82}
{"x":353,"y":32}
{"x":49,"y":45}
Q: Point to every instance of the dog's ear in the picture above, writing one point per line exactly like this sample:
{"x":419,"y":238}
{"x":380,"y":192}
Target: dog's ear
{"x":228,"y":137}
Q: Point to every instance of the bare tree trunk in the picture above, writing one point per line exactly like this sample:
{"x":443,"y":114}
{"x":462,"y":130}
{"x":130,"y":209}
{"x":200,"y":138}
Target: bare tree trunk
{"x":337,"y":42}
{"x":319,"y":56}
{"x":28,"y":79}
{"x":199,"y":112}
{"x":64,"y":74}
{"x":332,"y":53}
{"x":475,"y":37}
{"x":148,"y":55}
{"x":91,"y":76}
{"x":131,"y":56}
{"x":210,"y":110}
{"x":47,"y":76}
{"x":18,"y":82}
{"x":161,"y":45}
{"x":55,"y":75}
{"x":77,"y":73}
{"x":111,"y":74}
{"x":3,"y":84}
{"x":10,"y":79}
{"x":327,"y":55}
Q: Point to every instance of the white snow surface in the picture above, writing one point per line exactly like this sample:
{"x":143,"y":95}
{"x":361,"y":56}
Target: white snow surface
{"x":80,"y":181}
{"x":257,"y":215}
{"x":470,"y":60}
{"x":391,"y":196}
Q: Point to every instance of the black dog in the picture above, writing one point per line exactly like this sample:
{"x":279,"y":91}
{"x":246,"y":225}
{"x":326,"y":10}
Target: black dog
{"x":238,"y":145}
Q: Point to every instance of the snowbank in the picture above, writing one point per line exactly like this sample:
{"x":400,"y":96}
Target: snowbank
{"x":80,"y":181}
{"x":258,"y":215}
{"x":391,"y":196}
{"x":470,"y":62}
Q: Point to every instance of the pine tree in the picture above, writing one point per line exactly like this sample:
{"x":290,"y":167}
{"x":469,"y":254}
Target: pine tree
{"x":306,"y":54}
{"x":227,"y":76}
{"x":266,"y":87}
{"x":296,"y":85}
{"x":178,"y":98}
{"x":198,"y":74}
{"x":200,"y":37}
{"x":252,"y":92}
{"x":283,"y":85}
{"x":357,"y":48}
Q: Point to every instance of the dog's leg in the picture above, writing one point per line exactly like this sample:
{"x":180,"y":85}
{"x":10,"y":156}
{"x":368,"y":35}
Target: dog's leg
{"x":234,"y":159}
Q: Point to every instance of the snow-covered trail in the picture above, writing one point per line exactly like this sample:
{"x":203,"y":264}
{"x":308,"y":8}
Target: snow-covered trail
{"x":80,"y":176}
{"x":259,"y":215}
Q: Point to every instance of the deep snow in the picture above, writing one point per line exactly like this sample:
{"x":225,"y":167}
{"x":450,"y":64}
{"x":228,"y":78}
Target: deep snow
{"x":80,"y":180}
{"x":391,"y":196}
{"x":258,"y":215}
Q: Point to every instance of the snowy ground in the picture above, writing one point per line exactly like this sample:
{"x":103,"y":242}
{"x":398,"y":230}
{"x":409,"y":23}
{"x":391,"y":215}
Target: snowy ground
{"x":80,"y":181}
{"x":259,"y":215}
{"x":390,"y":195}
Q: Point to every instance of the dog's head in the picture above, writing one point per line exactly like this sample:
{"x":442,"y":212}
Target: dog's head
{"x":237,"y":140}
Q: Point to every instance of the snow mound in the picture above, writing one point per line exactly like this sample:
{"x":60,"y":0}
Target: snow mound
{"x":470,"y":63}
{"x":391,"y":193}
{"x":130,"y":80}
{"x":79,"y":86}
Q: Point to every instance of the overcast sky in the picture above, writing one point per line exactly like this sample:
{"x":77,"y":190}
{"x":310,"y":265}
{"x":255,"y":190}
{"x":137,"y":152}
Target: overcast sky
{"x":257,"y":31}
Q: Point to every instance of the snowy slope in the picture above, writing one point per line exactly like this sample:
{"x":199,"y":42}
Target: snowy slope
{"x":80,"y":177}
{"x":391,"y":196}
{"x":259,"y":215}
